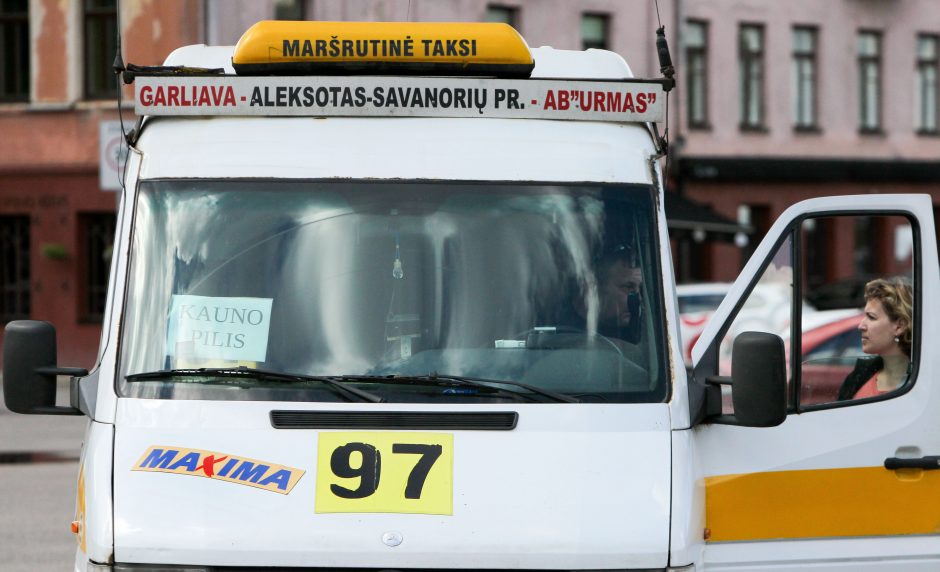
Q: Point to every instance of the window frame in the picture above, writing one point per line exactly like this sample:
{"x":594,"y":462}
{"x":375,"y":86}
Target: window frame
{"x":695,"y":75}
{"x":711,"y":404}
{"x":301,"y":5}
{"x":100,"y":15}
{"x":20,"y":287}
{"x":921,"y":66}
{"x":866,"y":63}
{"x":747,"y":78}
{"x":605,"y":19}
{"x":511,"y":13}
{"x":18,"y":23}
{"x":805,"y":69}
{"x":794,"y":405}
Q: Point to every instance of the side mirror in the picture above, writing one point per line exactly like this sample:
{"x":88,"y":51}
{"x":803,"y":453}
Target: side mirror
{"x":759,"y":379}
{"x":29,"y":369}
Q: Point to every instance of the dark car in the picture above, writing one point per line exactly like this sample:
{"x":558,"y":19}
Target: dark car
{"x":846,"y":293}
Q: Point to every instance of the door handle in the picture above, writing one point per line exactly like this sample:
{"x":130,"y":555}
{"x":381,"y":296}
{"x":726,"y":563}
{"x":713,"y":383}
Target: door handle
{"x":925,"y":463}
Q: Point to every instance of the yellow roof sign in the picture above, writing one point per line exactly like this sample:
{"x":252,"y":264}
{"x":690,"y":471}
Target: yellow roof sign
{"x":351,"y":48}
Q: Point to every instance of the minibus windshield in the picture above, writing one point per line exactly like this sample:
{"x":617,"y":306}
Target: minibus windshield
{"x":410,"y":292}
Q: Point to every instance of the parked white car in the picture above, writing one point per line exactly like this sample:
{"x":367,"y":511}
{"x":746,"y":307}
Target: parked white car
{"x":697,"y":302}
{"x":767,"y":309}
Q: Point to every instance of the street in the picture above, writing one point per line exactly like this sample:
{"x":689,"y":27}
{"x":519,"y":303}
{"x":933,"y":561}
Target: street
{"x":38,"y":469}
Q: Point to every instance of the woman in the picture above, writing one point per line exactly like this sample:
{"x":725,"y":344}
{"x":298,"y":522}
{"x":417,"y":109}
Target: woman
{"x":886,"y":335}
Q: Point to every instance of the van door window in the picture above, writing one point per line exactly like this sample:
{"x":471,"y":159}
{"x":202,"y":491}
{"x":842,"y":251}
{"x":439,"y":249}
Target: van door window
{"x":857,"y":332}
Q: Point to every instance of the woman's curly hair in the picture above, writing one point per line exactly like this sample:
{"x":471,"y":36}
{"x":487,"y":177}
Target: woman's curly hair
{"x":897,"y":298}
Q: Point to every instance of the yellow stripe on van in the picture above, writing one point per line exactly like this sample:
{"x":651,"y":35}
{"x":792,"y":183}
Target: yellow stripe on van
{"x":822,"y":503}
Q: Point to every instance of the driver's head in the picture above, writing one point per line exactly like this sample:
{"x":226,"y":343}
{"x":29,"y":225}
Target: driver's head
{"x":617,"y":308}
{"x":617,"y":280}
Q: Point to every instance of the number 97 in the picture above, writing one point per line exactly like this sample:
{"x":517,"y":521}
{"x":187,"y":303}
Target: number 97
{"x":369,"y":470}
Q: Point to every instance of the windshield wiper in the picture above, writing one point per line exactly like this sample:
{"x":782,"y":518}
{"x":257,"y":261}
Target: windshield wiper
{"x":443,"y":378}
{"x":554,"y":395}
{"x":252,"y":373}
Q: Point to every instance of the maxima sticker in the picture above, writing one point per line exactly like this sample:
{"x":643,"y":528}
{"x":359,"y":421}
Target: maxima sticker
{"x":615,"y":101}
{"x":219,"y":466}
{"x":232,"y":329}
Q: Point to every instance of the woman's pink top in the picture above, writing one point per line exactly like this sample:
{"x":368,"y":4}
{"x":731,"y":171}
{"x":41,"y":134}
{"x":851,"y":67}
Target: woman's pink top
{"x":870,"y":389}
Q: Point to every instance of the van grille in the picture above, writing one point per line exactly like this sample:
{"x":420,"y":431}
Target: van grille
{"x":462,"y":420}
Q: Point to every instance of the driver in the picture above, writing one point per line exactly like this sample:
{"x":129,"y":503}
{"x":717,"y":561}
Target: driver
{"x":615,"y":311}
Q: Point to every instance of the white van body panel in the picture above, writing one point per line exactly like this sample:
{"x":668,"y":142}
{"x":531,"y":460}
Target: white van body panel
{"x":584,"y":486}
{"x":94,"y":515}
{"x":396,"y":148}
{"x":687,"y":527}
{"x":835,"y":555}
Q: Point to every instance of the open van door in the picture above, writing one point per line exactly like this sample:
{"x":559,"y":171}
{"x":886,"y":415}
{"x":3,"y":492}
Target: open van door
{"x":844,"y":482}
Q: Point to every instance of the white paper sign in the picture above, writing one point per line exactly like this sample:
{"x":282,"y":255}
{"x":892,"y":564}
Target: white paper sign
{"x":233,"y":329}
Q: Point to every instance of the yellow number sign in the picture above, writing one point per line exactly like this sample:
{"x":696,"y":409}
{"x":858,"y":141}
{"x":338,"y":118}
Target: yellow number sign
{"x":385,"y":472}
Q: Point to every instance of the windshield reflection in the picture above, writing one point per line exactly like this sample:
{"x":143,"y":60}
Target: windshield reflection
{"x":553,"y":286}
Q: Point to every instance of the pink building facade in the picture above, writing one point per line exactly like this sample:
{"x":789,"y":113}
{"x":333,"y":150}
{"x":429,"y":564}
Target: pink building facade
{"x":846,"y":96}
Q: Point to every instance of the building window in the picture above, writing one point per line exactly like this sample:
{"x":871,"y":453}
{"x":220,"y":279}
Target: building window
{"x":14,"y":50}
{"x":96,"y":240}
{"x":696,"y":78}
{"x":819,"y":261}
{"x":100,"y":48}
{"x":868,"y":254}
{"x":502,"y":14}
{"x":804,"y":78}
{"x":595,"y":31}
{"x":927,"y":62}
{"x":14,"y":268}
{"x":869,"y":81}
{"x":290,"y":10}
{"x":751,"y":72}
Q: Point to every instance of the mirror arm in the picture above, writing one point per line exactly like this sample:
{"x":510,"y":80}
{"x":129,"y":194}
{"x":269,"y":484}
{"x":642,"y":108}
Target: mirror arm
{"x":69,"y":371}
{"x":55,"y":410}
{"x":713,"y":395}
{"x":72,"y":372}
{"x":714,"y":400}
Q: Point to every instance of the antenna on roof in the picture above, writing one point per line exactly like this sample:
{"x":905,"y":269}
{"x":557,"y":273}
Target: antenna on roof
{"x":668,"y":82}
{"x":119,"y":68}
{"x":665,"y":60}
{"x":118,"y":64}
{"x":662,"y":50}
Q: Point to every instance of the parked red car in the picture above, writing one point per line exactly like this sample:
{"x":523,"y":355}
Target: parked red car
{"x":831,"y":344}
